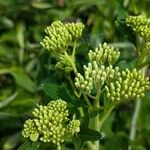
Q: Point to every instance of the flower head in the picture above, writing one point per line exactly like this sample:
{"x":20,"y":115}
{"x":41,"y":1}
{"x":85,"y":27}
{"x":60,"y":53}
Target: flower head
{"x":104,"y":54}
{"x":140,"y":24}
{"x":51,"y":123}
{"x":57,"y":38}
{"x":130,"y":85}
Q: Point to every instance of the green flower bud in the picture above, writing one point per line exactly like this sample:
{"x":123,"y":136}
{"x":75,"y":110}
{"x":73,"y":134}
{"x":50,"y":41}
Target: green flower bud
{"x":74,"y":126}
{"x":140,"y":24}
{"x":51,"y":123}
{"x":95,"y":76}
{"x":75,"y":29}
{"x":57,"y":38}
{"x":104,"y":55}
{"x":129,"y":85}
{"x":64,"y":63}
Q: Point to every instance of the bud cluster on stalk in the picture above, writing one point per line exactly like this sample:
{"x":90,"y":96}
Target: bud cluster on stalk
{"x":104,"y":54}
{"x":130,"y":85}
{"x":51,"y":124}
{"x":100,"y":74}
{"x":59,"y":36}
{"x":140,"y":24}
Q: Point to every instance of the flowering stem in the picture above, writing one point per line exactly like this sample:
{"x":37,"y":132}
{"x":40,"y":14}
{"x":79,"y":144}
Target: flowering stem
{"x":74,"y":48}
{"x":106,"y":115}
{"x":94,"y":124}
{"x":87,"y":101}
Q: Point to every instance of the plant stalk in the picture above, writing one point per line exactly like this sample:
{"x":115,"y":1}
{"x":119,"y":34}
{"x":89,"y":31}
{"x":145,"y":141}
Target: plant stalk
{"x":94,"y":124}
{"x":135,"y":117}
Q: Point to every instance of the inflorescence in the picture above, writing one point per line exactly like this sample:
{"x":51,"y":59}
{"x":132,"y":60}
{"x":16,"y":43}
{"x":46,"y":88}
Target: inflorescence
{"x":130,"y":85}
{"x":59,"y":37}
{"x":99,"y":70}
{"x":140,"y":24}
{"x":51,"y":124}
{"x":99,"y":73}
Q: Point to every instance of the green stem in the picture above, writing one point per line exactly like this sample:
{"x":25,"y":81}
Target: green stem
{"x":87,"y":101}
{"x":105,"y":115}
{"x":72,"y":86}
{"x":73,"y":58}
{"x":74,"y":48}
{"x":94,"y":124}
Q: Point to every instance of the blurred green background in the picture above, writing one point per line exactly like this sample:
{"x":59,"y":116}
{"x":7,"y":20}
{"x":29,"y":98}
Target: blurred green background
{"x":24,"y":65}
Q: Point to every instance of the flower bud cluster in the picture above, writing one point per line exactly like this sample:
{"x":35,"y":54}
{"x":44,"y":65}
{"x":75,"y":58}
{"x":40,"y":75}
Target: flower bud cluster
{"x":30,"y":130}
{"x":104,"y":54}
{"x":75,"y":29}
{"x":57,"y":38}
{"x":51,"y":123}
{"x":95,"y":76}
{"x":60,"y":35}
{"x":64,"y":63}
{"x":130,"y":85}
{"x":140,"y":24}
{"x":74,"y":126}
{"x":146,"y":50}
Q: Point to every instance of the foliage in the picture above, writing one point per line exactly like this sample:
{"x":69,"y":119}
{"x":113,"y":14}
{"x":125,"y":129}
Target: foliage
{"x":29,"y":78}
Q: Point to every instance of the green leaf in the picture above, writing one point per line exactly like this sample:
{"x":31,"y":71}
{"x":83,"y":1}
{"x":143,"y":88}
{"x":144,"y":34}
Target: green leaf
{"x":51,"y":90}
{"x":58,"y":91}
{"x":78,"y":143}
{"x":87,"y":134}
{"x":30,"y":146}
{"x":22,"y":79}
{"x":8,"y":100}
{"x":20,"y":76}
{"x":85,"y":119}
{"x":41,"y":5}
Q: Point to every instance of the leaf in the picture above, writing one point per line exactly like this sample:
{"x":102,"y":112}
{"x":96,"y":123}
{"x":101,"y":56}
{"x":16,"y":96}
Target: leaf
{"x":30,"y":146}
{"x":58,"y":91}
{"x":20,"y":34}
{"x":22,"y":79}
{"x":8,"y":100}
{"x":20,"y":76}
{"x":41,"y":5}
{"x":87,"y":134}
{"x":85,"y":119}
{"x":51,"y":90}
{"x":78,"y":143}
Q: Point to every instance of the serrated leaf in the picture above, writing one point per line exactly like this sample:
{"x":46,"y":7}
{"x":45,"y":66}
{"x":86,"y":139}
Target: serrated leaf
{"x":57,"y":91}
{"x":51,"y":90}
{"x":30,"y":146}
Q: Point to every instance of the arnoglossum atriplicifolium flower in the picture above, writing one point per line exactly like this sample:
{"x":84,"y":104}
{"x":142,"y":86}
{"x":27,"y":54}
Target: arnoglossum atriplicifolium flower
{"x":119,"y":85}
{"x":130,"y":85}
{"x":58,"y":37}
{"x":141,"y":26}
{"x":51,"y":124}
{"x":99,"y":70}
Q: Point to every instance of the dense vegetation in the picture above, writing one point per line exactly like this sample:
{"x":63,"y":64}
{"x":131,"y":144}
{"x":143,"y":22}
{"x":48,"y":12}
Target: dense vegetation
{"x":28,"y":76}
